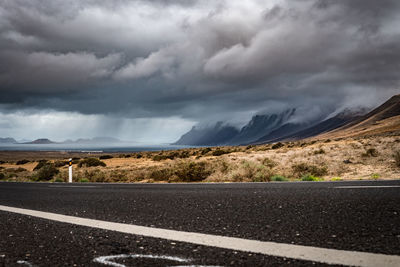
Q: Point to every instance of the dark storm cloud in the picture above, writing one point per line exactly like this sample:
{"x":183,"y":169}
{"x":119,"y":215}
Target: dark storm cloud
{"x":200,"y":60}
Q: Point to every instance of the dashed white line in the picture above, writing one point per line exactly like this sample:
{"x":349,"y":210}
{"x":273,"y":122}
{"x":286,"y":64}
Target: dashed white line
{"x":366,"y":186}
{"x":308,"y":253}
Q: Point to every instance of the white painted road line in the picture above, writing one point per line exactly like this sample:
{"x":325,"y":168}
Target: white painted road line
{"x":324,"y":255}
{"x":367,"y":186}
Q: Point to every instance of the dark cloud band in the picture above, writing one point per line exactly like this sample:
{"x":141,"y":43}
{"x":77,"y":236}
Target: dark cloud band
{"x":195,"y":59}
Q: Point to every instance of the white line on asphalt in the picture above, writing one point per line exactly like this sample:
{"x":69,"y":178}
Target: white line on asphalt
{"x":324,"y":255}
{"x":367,"y":186}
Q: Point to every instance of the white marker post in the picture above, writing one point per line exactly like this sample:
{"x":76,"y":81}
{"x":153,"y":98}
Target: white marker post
{"x":70,"y":171}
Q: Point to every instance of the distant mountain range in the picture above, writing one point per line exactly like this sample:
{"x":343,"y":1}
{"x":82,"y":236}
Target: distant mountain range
{"x":281,"y":127}
{"x":326,"y":125}
{"x":263,"y":127}
{"x":45,"y":141}
{"x":271,"y":128}
{"x":41,"y":141}
{"x":7,"y":140}
{"x":385,"y":119}
{"x":208,"y":136}
{"x":260,"y":128}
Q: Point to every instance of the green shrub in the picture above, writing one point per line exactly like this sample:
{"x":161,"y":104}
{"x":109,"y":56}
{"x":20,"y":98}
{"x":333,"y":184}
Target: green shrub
{"x":159,"y":157}
{"x":59,"y":180}
{"x":47,"y":172}
{"x":164,"y":174}
{"x":91,"y":162}
{"x":375,"y":176}
{"x":224,"y":166}
{"x":12,"y":175}
{"x":192,"y":171}
{"x":95,"y":175}
{"x":371,"y":152}
{"x":22,"y":162}
{"x":279,"y":178}
{"x":183,"y":154}
{"x":138,"y":155}
{"x":171,"y":155}
{"x":40,"y":164}
{"x":277,"y":145}
{"x":336,"y":179}
{"x":263,"y":174}
{"x":2,"y":176}
{"x":268,"y":162}
{"x":205,"y":150}
{"x":84,"y":180}
{"x":61,"y":163}
{"x":312,"y":178}
{"x":255,"y":172}
{"x":75,"y":161}
{"x":106,"y":157}
{"x":319,"y":151}
{"x":118,"y":175}
{"x":304,"y":169}
{"x":219,"y":152}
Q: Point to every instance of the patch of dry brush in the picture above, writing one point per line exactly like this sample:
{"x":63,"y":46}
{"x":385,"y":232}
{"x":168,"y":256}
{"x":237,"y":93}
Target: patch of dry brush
{"x":362,"y":158}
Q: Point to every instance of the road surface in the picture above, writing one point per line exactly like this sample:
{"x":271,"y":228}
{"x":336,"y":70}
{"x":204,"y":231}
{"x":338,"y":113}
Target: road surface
{"x":243,"y":224}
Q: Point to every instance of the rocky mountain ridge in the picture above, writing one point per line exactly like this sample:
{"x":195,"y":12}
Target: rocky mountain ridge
{"x":272,"y":128}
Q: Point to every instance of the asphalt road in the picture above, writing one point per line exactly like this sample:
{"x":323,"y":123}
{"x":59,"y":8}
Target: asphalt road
{"x":354,"y":216}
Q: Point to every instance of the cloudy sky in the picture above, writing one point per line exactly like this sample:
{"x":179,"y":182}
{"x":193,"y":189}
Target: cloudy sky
{"x":149,"y":70}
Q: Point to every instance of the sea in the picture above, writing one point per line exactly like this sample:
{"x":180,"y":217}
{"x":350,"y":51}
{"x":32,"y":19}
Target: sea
{"x":93,"y":148}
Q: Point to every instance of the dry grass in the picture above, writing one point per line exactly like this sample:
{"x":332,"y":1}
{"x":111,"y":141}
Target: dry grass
{"x":347,"y":159}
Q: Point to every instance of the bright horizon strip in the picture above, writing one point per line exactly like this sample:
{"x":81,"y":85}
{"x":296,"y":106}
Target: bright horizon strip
{"x":308,"y":253}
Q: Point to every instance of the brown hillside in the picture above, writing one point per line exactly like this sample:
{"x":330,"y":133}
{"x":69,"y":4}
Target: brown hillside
{"x":385,"y":119}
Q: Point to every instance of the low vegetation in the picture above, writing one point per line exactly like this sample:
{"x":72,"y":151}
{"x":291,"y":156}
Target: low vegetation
{"x":396,"y":157}
{"x":311,"y":178}
{"x":220,"y":152}
{"x":304,"y":169}
{"x":91,"y":162}
{"x":106,"y":157}
{"x":277,"y":145}
{"x":370,"y":152}
{"x":46,"y":172}
{"x":190,"y":171}
{"x":40,"y":164}
{"x":336,"y":160}
{"x":279,"y":178}
{"x":22,"y":162}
